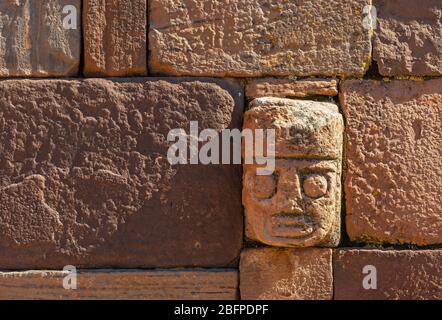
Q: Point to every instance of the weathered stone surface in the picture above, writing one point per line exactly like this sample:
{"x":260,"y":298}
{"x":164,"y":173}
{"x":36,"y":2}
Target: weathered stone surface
{"x":115,"y":33}
{"x":286,"y":274}
{"x":122,"y":285}
{"x":408,"y":38}
{"x":299,"y":204}
{"x":85,"y":180}
{"x":285,"y":88}
{"x":244,"y":38}
{"x":407,"y":275}
{"x":35,"y":42}
{"x":394,"y":161}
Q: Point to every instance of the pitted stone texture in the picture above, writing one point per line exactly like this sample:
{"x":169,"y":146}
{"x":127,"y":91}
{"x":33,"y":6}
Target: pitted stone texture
{"x":299,"y":204}
{"x":115,"y":33}
{"x":408,"y":38}
{"x":304,"y":128}
{"x":401,"y":275}
{"x":85,"y":180}
{"x":394,"y":161}
{"x":34,"y":41}
{"x":286,"y":274}
{"x":121,"y":285}
{"x":285,"y":88}
{"x":253,"y":38}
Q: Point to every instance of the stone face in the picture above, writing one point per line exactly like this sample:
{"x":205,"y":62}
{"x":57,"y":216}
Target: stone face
{"x":115,"y":34}
{"x":393,"y":183}
{"x":40,"y":38}
{"x":286,"y":274}
{"x":122,"y":285}
{"x":401,"y":275}
{"x":85,"y":179}
{"x":299,"y":204}
{"x":244,"y":38}
{"x":408,"y":38}
{"x":284,"y":88}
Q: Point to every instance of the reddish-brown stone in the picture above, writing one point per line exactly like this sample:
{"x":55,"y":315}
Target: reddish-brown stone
{"x":40,"y":38}
{"x":299,"y":203}
{"x":115,"y":33}
{"x":254,"y":38}
{"x":408,"y":39}
{"x":286,"y":88}
{"x":392,"y":275}
{"x":122,"y":285}
{"x":286,"y":274}
{"x":394,"y":161}
{"x":85,"y":180}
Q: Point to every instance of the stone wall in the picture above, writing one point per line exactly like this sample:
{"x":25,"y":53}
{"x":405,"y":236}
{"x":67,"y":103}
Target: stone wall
{"x":90,"y":91}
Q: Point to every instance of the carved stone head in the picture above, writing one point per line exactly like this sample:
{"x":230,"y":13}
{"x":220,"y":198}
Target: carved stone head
{"x":299,"y":204}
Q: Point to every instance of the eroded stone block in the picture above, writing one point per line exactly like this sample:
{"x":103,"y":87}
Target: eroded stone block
{"x":122,"y":285}
{"x":408,"y":39}
{"x":115,"y":33}
{"x":286,"y":274}
{"x":40,"y":38}
{"x":253,"y":38}
{"x":387,"y":274}
{"x":85,"y":179}
{"x":394,"y":165}
{"x":285,"y":88}
{"x":299,"y":204}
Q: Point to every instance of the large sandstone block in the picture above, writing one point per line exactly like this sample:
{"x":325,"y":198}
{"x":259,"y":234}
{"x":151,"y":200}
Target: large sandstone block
{"x":387,"y":274}
{"x":299,"y":204}
{"x":115,"y":33}
{"x":252,"y":38}
{"x":394,"y":161}
{"x":85,"y":179}
{"x":286,"y":88}
{"x":408,"y":38}
{"x":40,"y":38}
{"x":286,"y":274}
{"x":121,"y":285}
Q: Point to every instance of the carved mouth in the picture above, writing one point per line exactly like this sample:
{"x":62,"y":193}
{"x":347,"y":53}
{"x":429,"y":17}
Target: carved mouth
{"x":291,"y":225}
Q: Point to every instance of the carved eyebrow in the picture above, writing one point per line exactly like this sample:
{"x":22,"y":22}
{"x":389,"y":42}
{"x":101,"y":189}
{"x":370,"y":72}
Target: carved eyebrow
{"x":323,"y":166}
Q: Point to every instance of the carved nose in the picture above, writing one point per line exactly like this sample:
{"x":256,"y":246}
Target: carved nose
{"x":289,"y":196}
{"x":290,"y":206}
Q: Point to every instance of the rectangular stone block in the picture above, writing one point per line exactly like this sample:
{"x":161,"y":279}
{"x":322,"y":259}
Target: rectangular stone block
{"x":40,"y":38}
{"x":394,"y":163}
{"x":286,"y":274}
{"x":85,"y":178}
{"x":408,"y":39}
{"x":253,"y":38}
{"x":121,"y":285}
{"x":115,"y":33}
{"x":387,"y":274}
{"x":297,"y":203}
{"x":286,"y":88}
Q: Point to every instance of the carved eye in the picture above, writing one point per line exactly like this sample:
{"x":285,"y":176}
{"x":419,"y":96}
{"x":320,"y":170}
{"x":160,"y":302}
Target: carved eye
{"x":265,"y":186}
{"x":315,"y":186}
